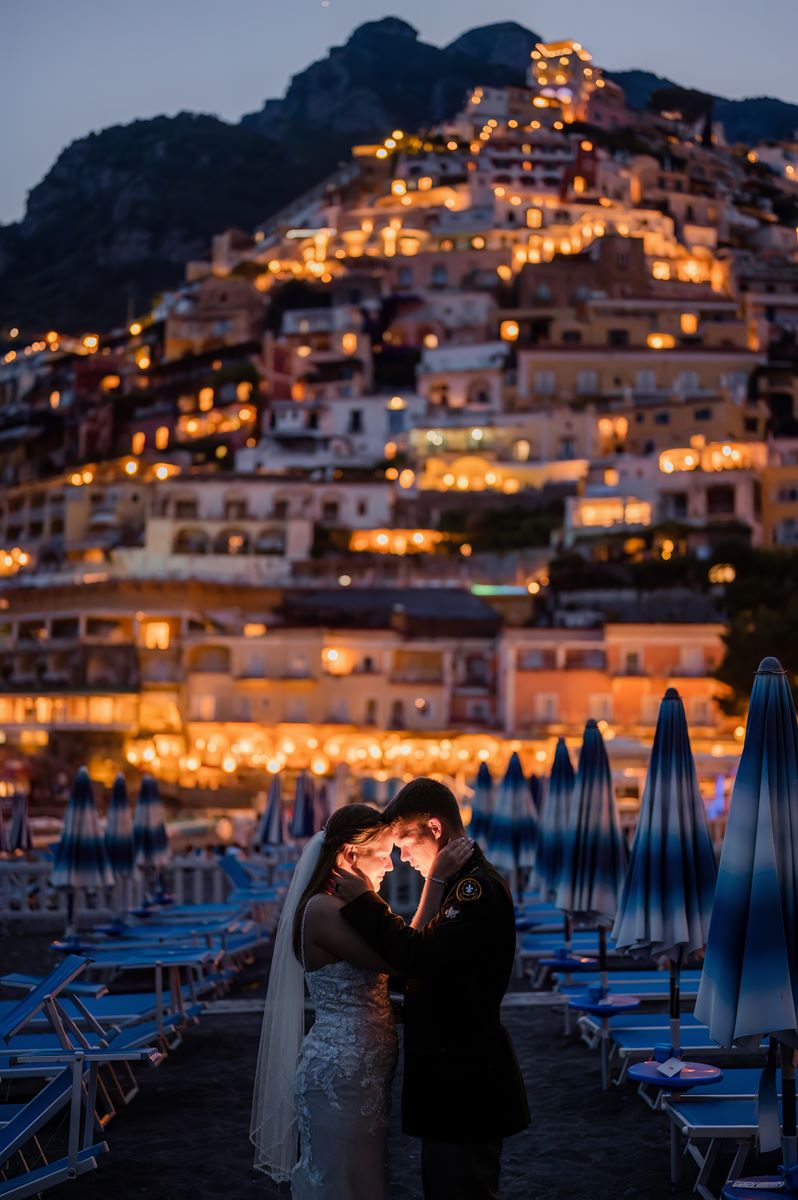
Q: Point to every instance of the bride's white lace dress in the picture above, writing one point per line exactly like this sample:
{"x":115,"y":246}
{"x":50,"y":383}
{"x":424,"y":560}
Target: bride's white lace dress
{"x":342,"y":1086}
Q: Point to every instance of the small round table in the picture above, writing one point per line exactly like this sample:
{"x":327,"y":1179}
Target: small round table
{"x":691,"y":1075}
{"x":609,"y":1006}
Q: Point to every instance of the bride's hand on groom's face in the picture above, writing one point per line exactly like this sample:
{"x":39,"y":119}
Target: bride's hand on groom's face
{"x":452,"y":858}
{"x":349,"y":883}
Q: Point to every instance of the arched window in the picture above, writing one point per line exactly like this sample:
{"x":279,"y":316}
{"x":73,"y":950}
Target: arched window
{"x":232,"y":541}
{"x":190,"y":541}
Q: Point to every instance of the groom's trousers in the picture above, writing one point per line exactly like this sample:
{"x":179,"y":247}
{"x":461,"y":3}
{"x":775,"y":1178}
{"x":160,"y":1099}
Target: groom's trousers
{"x":461,"y":1170}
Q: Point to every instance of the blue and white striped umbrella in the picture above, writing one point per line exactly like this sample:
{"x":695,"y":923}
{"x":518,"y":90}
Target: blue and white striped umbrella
{"x":512,"y":833}
{"x":119,"y":830}
{"x":321,"y":804}
{"x":669,"y":887}
{"x":749,"y":985}
{"x":303,"y":816}
{"x":271,"y":831}
{"x":20,"y":836}
{"x":481,"y":805}
{"x":80,"y":858}
{"x":594,"y":854}
{"x":554,"y":816}
{"x":150,"y":841}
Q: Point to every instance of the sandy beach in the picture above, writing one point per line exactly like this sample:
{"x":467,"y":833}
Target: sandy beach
{"x":186,"y":1134}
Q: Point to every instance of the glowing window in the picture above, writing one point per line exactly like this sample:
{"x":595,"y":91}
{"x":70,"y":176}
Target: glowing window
{"x":157,"y":635}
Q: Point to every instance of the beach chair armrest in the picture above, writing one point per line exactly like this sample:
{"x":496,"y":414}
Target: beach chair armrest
{"x":92,"y":1055}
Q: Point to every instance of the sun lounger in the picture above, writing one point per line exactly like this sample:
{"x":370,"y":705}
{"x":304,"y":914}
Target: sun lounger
{"x":722,"y":1123}
{"x":543,"y":945}
{"x":196,"y":962}
{"x":245,"y":886}
{"x":634,"y":1045}
{"x":591,"y":1025}
{"x":119,"y":1009}
{"x":23,"y":1123}
{"x":653,"y":986}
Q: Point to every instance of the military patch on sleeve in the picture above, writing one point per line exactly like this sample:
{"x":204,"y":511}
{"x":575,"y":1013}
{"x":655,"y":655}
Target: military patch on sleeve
{"x":452,"y":913}
{"x":468,"y":889}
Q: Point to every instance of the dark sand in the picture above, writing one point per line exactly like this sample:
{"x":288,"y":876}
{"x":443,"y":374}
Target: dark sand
{"x":186,"y":1135}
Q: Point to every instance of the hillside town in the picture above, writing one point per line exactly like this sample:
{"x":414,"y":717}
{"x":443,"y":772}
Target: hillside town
{"x":401,"y":480}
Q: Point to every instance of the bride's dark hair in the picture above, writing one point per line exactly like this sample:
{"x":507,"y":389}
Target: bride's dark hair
{"x":353,"y":825}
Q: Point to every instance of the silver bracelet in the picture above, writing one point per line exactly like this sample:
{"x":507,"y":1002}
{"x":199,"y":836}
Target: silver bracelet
{"x":434,"y":879}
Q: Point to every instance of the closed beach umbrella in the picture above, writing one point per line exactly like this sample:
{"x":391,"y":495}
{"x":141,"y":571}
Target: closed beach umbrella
{"x":119,"y":830}
{"x":481,"y":805}
{"x":512,"y":833}
{"x":554,"y":816}
{"x":80,"y":858}
{"x":149,"y":827}
{"x":594,"y":855}
{"x":303,"y":817}
{"x":321,"y":805}
{"x":669,"y":886}
{"x":20,"y":837}
{"x":749,"y":985}
{"x":271,"y":831}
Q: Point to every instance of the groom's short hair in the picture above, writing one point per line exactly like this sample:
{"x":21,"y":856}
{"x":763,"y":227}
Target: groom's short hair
{"x":422,"y":798}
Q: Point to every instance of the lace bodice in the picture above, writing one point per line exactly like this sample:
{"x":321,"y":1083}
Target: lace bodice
{"x":353,"y":1033}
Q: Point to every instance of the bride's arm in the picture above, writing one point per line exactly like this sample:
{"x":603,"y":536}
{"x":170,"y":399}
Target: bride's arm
{"x":330,"y":933}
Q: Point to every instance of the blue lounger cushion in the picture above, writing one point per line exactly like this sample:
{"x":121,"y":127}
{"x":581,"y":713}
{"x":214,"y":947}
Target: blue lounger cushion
{"x":659,"y":977}
{"x":737,"y":1081}
{"x":716,"y":1118}
{"x":641,"y":1042}
{"x":636,"y":1020}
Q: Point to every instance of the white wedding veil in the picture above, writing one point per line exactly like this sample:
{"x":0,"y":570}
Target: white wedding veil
{"x":274,"y":1128}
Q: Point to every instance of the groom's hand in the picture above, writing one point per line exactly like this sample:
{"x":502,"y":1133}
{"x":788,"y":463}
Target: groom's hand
{"x":348,"y":885}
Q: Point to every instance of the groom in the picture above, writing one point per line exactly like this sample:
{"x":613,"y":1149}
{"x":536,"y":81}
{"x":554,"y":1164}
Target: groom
{"x":463,"y":1090}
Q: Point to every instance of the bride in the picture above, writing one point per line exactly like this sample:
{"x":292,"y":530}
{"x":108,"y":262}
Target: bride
{"x":330,"y":1091}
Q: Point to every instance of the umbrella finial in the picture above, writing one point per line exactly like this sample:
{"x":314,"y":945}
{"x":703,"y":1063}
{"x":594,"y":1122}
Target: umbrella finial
{"x":591,"y":723}
{"x":671,"y":694}
{"x":770,"y":666}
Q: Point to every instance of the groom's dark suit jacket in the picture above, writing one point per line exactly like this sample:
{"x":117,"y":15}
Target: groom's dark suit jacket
{"x":461,"y":1081}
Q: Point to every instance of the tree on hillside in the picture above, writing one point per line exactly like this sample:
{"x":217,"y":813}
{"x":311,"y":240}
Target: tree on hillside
{"x":765,"y":630}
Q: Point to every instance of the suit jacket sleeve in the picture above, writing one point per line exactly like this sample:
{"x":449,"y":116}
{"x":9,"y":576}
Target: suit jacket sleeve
{"x":444,"y":944}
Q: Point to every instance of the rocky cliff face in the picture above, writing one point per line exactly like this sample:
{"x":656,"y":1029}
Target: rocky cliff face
{"x":384,"y":76}
{"x":120,"y":213}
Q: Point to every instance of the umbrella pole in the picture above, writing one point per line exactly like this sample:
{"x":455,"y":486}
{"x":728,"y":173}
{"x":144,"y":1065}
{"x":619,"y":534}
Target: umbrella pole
{"x":789,"y":1155}
{"x":604,"y":974}
{"x":676,"y":1005}
{"x":568,"y":933}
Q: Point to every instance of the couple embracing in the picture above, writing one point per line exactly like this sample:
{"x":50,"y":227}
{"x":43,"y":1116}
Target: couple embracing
{"x":328,"y":1092}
